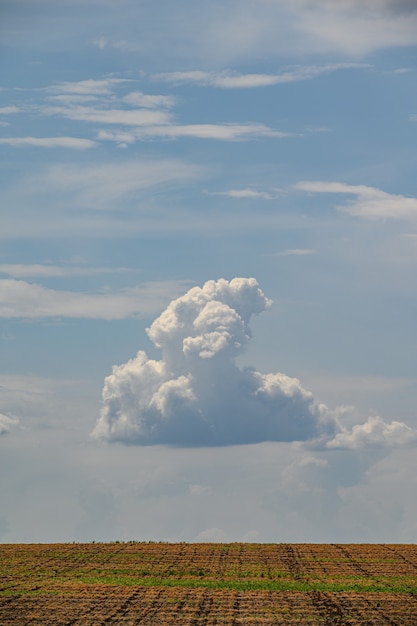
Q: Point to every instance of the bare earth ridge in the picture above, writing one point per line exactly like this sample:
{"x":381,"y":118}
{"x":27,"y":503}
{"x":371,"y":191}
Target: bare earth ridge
{"x":182,"y":584}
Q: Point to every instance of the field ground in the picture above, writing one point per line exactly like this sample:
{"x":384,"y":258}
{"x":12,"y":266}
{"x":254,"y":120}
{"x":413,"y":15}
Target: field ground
{"x":205,"y":584}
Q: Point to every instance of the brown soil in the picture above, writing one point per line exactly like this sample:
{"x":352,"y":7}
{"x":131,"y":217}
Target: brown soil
{"x":206,"y":584}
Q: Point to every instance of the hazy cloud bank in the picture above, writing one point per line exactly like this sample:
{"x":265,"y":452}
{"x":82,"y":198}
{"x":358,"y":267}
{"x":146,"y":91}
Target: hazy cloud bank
{"x":196,"y":395}
{"x":21,"y":299}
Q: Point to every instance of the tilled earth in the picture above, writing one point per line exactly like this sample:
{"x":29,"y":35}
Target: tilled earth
{"x":196,"y":584}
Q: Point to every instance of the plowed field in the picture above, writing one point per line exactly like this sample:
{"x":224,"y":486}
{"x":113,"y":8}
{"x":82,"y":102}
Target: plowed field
{"x":195,"y":584}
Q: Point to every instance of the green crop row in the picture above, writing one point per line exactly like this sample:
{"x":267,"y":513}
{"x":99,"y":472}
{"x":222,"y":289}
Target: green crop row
{"x":359,"y":585}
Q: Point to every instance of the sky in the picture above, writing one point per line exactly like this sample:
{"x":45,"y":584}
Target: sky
{"x":208,"y":251}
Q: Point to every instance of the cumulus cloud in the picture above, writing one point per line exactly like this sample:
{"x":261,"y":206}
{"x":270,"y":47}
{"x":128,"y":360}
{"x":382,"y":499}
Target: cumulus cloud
{"x":375,"y":432}
{"x":196,"y":394}
{"x":370,"y":202}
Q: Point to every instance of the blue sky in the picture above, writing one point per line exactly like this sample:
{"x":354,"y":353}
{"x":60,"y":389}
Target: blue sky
{"x":149,"y":148}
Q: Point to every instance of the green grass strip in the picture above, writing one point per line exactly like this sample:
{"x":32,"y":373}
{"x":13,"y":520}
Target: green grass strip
{"x":361,"y":586}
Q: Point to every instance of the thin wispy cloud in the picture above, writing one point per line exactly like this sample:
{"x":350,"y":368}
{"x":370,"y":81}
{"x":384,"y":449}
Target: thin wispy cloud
{"x":403,"y":70}
{"x":232,"y":80}
{"x":9,"y":110}
{"x":294,"y":252}
{"x":369,"y":202}
{"x":20,"y":270}
{"x":71,"y":99}
{"x":104,"y":42}
{"x":142,"y":116}
{"x":100,"y":102}
{"x":243,"y":193}
{"x":22,"y":300}
{"x":90,"y":87}
{"x":125,"y":117}
{"x":72,"y":143}
{"x":101,"y":186}
{"x":221,"y":132}
{"x":151,"y":101}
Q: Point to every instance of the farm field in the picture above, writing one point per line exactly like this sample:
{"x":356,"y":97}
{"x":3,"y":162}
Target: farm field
{"x":195,"y":584}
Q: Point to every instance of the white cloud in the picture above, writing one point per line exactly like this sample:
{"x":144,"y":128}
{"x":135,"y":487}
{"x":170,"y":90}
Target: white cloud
{"x":122,"y":138}
{"x":9,"y":110}
{"x":137,"y":98}
{"x":94,"y":87}
{"x":375,"y":432}
{"x":71,"y":99}
{"x":227,"y":80}
{"x":19,"y":270}
{"x":394,"y":6}
{"x":242,"y":193}
{"x":79,"y":101}
{"x":354,"y":27}
{"x":20,"y":299}
{"x":232,"y":80}
{"x":370,"y":202}
{"x":92,"y":101}
{"x":196,"y":395}
{"x":223,"y":132}
{"x":128,"y":117}
{"x":294,"y":252}
{"x":222,"y":34}
{"x":7,"y":424}
{"x":101,"y":42}
{"x":49,"y":142}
